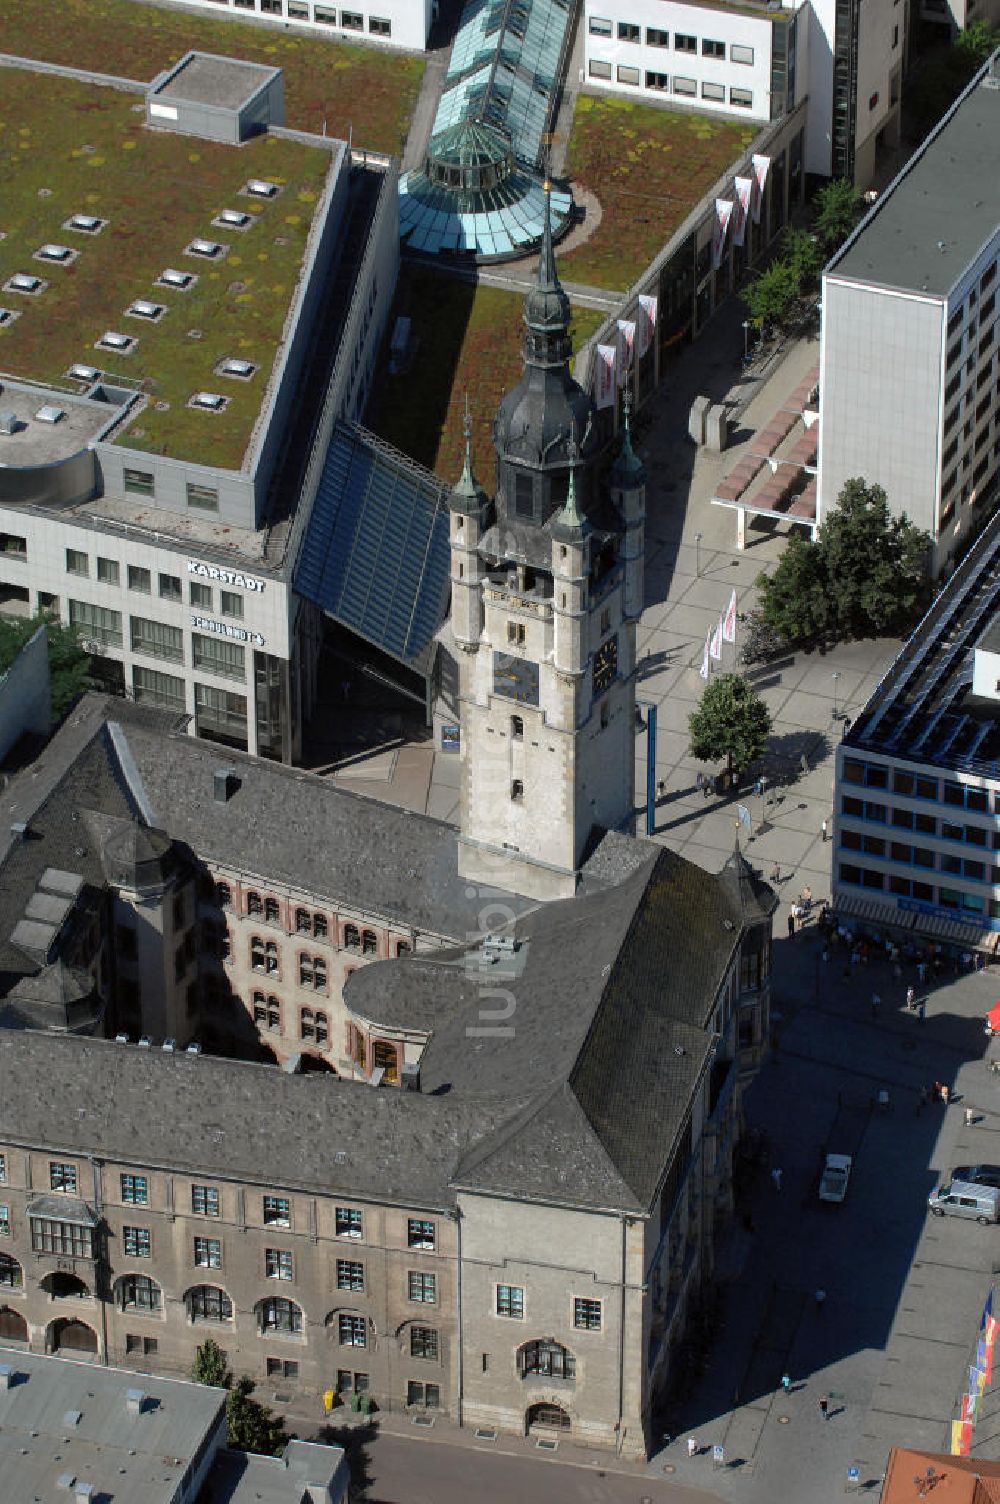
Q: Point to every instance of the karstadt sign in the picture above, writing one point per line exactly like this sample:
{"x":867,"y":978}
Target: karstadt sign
{"x":225,"y":576}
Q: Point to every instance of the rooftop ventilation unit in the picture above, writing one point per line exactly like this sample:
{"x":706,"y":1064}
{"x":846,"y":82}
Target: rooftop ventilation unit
{"x":5,"y":316}
{"x":210,"y":400}
{"x":259,"y":188}
{"x":173,"y":278}
{"x":411,"y":1075}
{"x":112,"y":340}
{"x":72,"y":1417}
{"x":89,"y":224}
{"x":145,"y":1043}
{"x":224,"y":785}
{"x":24,"y":282}
{"x":237,"y":217}
{"x":143,"y":309}
{"x":9,"y":423}
{"x":194,"y":1049}
{"x":134,"y":1401}
{"x":6,"y":1376}
{"x":205,"y":248}
{"x":49,"y":414}
{"x":80,"y":372}
{"x":50,"y":252}
{"x":121,"y":1039}
{"x":169,"y":1046}
{"x":233,"y":366}
{"x":84,"y":1493}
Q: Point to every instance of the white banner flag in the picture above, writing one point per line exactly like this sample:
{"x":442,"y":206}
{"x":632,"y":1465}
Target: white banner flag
{"x":760,"y":169}
{"x":715,"y":646}
{"x":704,"y":670}
{"x":604,"y":376}
{"x":646,"y":322}
{"x":744,"y":815}
{"x":723,"y":211}
{"x":729,"y":621}
{"x":626,"y":345}
{"x":744,"y":192}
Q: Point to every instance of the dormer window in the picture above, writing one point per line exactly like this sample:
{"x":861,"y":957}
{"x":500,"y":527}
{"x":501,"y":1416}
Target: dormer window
{"x":516,"y":728}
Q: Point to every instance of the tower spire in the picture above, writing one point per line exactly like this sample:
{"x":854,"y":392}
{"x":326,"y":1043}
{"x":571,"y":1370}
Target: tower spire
{"x":547,"y":274}
{"x":467,"y":486}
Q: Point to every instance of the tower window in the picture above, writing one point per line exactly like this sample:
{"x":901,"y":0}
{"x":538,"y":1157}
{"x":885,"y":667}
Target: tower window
{"x":516,"y":727}
{"x":517,"y":790}
{"x":524,"y":496}
{"x":515,"y":632}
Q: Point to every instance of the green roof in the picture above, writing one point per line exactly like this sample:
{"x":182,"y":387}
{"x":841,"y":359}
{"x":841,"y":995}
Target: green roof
{"x":69,"y":148}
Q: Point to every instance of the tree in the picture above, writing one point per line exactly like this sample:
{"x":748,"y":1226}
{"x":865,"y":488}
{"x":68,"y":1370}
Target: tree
{"x":838,"y":207}
{"x":210,"y":1365}
{"x":975,"y":44}
{"x":68,"y":664}
{"x":731,"y":721}
{"x":772,"y":296}
{"x":793,"y":600}
{"x":801,"y":250}
{"x":253,"y":1427}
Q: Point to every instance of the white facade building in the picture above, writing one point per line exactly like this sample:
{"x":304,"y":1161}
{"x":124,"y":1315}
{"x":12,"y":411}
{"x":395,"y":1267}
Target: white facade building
{"x":393,"y":23}
{"x":909,"y":373}
{"x":756,"y":61}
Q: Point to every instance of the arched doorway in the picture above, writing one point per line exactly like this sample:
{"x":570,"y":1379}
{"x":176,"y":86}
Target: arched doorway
{"x":13,"y":1327}
{"x":62,"y":1286}
{"x":552,"y":1417}
{"x":71,"y":1337}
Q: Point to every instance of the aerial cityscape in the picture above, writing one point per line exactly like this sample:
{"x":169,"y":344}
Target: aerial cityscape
{"x":499,"y":676}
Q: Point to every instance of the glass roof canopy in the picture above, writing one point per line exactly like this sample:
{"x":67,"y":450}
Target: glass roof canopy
{"x":480,"y":192}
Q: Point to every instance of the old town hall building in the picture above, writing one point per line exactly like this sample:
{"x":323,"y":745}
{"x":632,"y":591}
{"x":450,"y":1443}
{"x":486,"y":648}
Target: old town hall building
{"x":483,"y":1166}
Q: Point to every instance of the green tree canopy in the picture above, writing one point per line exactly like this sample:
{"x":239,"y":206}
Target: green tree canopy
{"x":210,"y":1365}
{"x":68,"y":663}
{"x":802,"y":251}
{"x":253,"y":1427}
{"x":864,"y":575}
{"x":731,"y":721}
{"x":771,"y":297}
{"x":837,"y":208}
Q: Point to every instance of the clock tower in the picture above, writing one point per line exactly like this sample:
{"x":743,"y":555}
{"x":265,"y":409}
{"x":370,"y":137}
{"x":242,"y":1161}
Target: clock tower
{"x":547,"y":589}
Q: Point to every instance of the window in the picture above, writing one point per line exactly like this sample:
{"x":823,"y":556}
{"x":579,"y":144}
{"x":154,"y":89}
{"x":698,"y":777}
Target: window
{"x":599,"y":69}
{"x":510,"y":1301}
{"x":98,"y":622}
{"x":11,"y":1275}
{"x":657,"y":81}
{"x":657,"y":38}
{"x":3,"y":1169}
{"x":547,"y":1358}
{"x":217,"y":656}
{"x":4,"y":1221}
{"x":231,"y":604}
{"x":684,"y":43}
{"x":349,"y":1222}
{"x":421,"y":1287}
{"x":138,"y":482}
{"x":712,"y":49}
{"x":515,"y":633}
{"x":320,"y":927}
{"x":627,"y":75}
{"x":587,"y":1314}
{"x":742,"y":98}
{"x":202,"y":498}
{"x":139,"y":579}
{"x":517,"y":790}
{"x":302,"y":924}
{"x":423,"y":1396}
{"x":139,"y":1293}
{"x":255,"y":903}
{"x":169,"y":586}
{"x":686,"y":86}
{"x":263,"y":955}
{"x":49,"y":1236}
{"x":108,"y":572}
{"x":739,"y":54}
{"x":628,"y":31}
{"x":715,"y":92}
{"x":137,"y":1242}
{"x":277,"y":1211}
{"x":272,"y":913}
{"x":77,"y":562}
{"x":424,"y":1343}
{"x":350,"y":1274}
{"x":306,"y":1027}
{"x":62,"y":1177}
{"x":516,"y":728}
{"x":352,"y":937}
{"x":223,"y":895}
{"x":135,"y":1190}
{"x":208,"y":1253}
{"x":205,"y":1200}
{"x":277,"y":1263}
{"x":419,"y":1234}
{"x":208,"y":1303}
{"x":351,"y":20}
{"x":12,"y":545}
{"x":600,"y":26}
{"x":156,"y":639}
{"x":380,"y":26}
{"x":369,"y":943}
{"x":352,"y":1331}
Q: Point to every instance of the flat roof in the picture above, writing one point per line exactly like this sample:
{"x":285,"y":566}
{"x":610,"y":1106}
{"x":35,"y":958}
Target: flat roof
{"x":940,"y":211}
{"x":43,"y":440}
{"x":222,"y":81}
{"x":131,"y":1458}
{"x":85,"y":149}
{"x":251,"y":1478}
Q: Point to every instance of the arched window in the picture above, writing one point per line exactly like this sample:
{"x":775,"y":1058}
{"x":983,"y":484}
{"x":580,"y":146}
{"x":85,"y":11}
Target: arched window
{"x":384,"y":1055}
{"x":517,"y":790}
{"x":320,"y":927}
{"x":259,"y":1010}
{"x":11,"y":1273}
{"x":322,"y":1028}
{"x":403,"y":947}
{"x":517,"y":727}
{"x":319,"y":974}
{"x":256,"y":953}
{"x":223,"y":895}
{"x":302,"y":921}
{"x":271,"y":910}
{"x":137,"y":1292}
{"x":273,"y":1015}
{"x":13,"y":1327}
{"x":305,"y":971}
{"x":369,"y":943}
{"x":279,"y":1315}
{"x":359,"y":1048}
{"x":208,"y":1303}
{"x":550,"y":1359}
{"x":254,"y":905}
{"x":307,"y":1028}
{"x":352,"y":937}
{"x":271,"y":956}
{"x":61,"y":1285}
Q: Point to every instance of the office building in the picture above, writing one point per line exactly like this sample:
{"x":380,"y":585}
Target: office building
{"x":389,"y":23}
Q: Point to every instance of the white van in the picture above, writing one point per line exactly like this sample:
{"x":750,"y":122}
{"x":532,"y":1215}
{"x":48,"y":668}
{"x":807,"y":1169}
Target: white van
{"x":960,"y":1199}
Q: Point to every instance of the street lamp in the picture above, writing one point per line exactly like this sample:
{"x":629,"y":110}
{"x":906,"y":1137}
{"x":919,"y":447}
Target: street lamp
{"x":746,"y":339}
{"x":697,"y":554}
{"x":835,"y":676}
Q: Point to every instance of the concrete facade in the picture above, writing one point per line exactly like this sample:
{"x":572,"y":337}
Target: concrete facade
{"x":390,"y":23}
{"x":26,"y":693}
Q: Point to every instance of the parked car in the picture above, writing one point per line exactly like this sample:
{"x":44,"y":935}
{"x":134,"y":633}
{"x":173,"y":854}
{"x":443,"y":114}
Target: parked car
{"x":836,"y":1174}
{"x":978,"y":1174}
{"x":959,"y":1199}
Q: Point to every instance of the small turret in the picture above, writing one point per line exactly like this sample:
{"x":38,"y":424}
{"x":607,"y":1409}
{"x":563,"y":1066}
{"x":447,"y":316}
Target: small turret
{"x":469,"y":507}
{"x":571,"y":530}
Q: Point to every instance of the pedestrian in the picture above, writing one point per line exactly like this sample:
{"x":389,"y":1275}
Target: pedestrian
{"x":825,"y":827}
{"x":807,"y":897}
{"x":824,"y":1407}
{"x":786,"y":1382}
{"x":921,"y":1010}
{"x":776,"y":873}
{"x":791,"y":923}
{"x":936,"y":1091}
{"x":706,"y":785}
{"x":969,"y":1117}
{"x":922,"y":972}
{"x":820,"y":1299}
{"x":776,"y":1177}
{"x":945,"y":1095}
{"x":661,"y":789}
{"x":692,"y":1446}
{"x":911,"y":998}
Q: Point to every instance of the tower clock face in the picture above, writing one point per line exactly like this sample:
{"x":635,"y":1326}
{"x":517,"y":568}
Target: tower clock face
{"x":605,"y":665}
{"x":515,"y":678}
